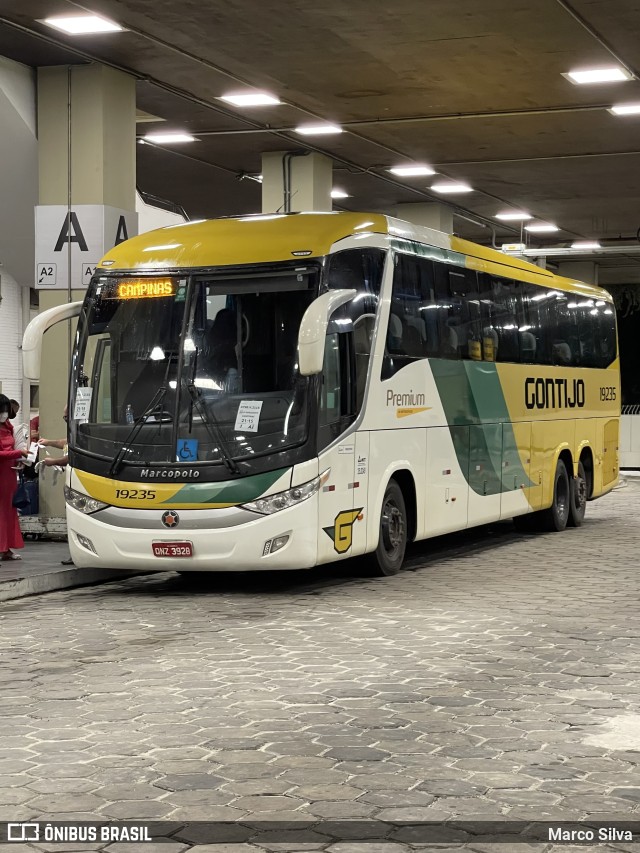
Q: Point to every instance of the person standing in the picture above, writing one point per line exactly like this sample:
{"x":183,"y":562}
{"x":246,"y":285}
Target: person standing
{"x":10,"y":535}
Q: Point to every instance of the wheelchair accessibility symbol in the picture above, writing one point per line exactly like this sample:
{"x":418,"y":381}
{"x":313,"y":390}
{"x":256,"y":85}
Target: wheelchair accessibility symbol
{"x":187,"y":450}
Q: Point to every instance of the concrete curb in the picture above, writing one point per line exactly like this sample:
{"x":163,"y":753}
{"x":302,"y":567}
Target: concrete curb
{"x":12,"y":588}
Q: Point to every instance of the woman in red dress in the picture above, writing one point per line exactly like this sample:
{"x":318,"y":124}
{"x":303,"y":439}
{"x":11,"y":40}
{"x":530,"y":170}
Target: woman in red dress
{"x":10,"y":536}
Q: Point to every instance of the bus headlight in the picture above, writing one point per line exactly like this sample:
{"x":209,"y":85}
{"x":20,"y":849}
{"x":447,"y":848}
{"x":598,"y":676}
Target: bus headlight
{"x":83,"y":503}
{"x":283,"y":500}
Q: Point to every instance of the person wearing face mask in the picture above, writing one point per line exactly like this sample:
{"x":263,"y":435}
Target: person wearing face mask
{"x":10,"y":535}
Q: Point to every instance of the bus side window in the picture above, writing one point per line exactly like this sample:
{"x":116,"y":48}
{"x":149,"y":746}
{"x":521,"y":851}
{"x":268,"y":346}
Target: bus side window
{"x":565,"y":346}
{"x":337,"y":391}
{"x":534,"y":314}
{"x":360,"y":269}
{"x":461,"y":330}
{"x":330,"y":409}
{"x":605,"y":336}
{"x":406,"y":330}
{"x":588,"y":331}
{"x":501,"y":316}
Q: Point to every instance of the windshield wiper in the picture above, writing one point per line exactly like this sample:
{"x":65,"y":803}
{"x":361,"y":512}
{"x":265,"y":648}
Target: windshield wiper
{"x":212,"y":427}
{"x":153,"y":404}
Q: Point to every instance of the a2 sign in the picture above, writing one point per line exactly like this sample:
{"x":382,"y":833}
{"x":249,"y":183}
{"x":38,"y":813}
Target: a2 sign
{"x":81,"y":235}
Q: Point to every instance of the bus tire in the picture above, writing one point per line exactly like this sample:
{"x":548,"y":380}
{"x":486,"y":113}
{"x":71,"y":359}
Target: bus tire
{"x":388,"y":557}
{"x":556,"y":517}
{"x":578,"y":502}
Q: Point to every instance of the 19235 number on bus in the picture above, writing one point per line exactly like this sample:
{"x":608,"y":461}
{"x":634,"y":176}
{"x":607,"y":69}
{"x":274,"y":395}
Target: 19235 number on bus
{"x":607,"y":392}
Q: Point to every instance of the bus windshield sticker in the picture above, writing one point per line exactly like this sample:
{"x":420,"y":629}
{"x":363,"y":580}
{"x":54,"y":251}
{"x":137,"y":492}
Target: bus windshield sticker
{"x":187,"y":450}
{"x":248,"y":416}
{"x":82,"y":404}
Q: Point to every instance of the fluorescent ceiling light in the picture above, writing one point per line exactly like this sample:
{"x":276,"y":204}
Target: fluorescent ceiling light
{"x":541,"y":228}
{"x":339,"y":194}
{"x":514,"y":216}
{"x":451,"y":187}
{"x":586,"y":244}
{"x":318,"y":129}
{"x":169,"y":138}
{"x":615,"y":74}
{"x":625,"y":109}
{"x":411,"y":171}
{"x":250,"y":99}
{"x":78,"y":25}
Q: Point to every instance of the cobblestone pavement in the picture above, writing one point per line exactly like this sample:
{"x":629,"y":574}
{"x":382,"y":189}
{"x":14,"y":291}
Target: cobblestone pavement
{"x":498,"y":677}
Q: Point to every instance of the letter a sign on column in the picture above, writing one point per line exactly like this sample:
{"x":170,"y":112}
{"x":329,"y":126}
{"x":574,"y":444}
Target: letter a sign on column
{"x":83,"y":235}
{"x":71,"y":232}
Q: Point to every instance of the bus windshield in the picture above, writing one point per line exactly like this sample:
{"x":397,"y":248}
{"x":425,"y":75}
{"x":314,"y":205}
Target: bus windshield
{"x":192,"y":369}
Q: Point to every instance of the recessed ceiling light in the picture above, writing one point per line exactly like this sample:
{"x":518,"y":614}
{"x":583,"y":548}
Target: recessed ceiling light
{"x":411,"y":171}
{"x":513,"y":216}
{"x":318,"y":129}
{"x":541,"y":228}
{"x":451,"y":187}
{"x":625,"y":109}
{"x":168,"y":138}
{"x":339,"y":194}
{"x":586,"y":244}
{"x":78,"y":25}
{"x":584,"y":76}
{"x":250,"y":99}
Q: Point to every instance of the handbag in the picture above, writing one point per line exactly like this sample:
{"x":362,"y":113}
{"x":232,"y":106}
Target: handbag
{"x":21,"y":496}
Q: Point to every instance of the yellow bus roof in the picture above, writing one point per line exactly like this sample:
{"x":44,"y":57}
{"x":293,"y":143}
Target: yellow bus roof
{"x":241,"y":240}
{"x":268,"y":238}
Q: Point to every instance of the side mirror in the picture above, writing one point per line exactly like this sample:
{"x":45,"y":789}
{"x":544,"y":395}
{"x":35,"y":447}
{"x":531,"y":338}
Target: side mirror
{"x":313,"y":329}
{"x":32,"y":338}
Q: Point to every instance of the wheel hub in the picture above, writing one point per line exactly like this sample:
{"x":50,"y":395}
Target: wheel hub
{"x":392,"y":528}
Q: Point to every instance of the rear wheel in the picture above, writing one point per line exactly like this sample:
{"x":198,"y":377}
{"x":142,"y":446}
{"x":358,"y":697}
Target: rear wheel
{"x":556,"y":517}
{"x":578,"y":502}
{"x":388,"y":557}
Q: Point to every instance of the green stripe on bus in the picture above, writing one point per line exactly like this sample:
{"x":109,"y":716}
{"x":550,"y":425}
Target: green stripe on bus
{"x":230,"y":492}
{"x":481,"y":430}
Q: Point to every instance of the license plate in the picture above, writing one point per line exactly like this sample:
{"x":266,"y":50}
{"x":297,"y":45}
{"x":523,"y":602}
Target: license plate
{"x":172,"y":549}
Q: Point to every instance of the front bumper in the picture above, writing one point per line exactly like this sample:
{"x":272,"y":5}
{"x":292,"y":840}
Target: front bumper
{"x":236,"y":547}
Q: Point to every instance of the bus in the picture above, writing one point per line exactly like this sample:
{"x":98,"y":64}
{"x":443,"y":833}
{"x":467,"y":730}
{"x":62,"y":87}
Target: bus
{"x":284,"y":391}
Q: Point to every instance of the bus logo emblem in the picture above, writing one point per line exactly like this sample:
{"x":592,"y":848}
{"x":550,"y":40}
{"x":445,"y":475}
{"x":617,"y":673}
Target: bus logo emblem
{"x":342,"y":531}
{"x":170,"y":518}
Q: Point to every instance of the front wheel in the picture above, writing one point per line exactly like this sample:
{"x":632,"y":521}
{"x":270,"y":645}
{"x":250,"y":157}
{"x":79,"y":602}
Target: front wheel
{"x":578,"y":502}
{"x":388,"y":557}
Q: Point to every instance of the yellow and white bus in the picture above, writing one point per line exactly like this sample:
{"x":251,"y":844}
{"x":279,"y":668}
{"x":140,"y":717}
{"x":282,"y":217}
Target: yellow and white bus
{"x":283,"y":391}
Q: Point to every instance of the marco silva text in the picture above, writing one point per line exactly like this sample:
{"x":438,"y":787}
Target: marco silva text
{"x":602,"y":833}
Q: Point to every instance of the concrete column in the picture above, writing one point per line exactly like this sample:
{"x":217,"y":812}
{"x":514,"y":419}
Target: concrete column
{"x":586,"y":271}
{"x":97,"y":104}
{"x":293,"y":181}
{"x":431,"y":214}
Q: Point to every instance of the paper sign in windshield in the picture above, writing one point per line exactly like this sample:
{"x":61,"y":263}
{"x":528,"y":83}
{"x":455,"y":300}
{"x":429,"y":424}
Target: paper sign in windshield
{"x":83,"y":403}
{"x":248,"y":416}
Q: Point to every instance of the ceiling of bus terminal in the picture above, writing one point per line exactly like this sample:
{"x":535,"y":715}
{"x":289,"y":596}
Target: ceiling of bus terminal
{"x":474,"y":88}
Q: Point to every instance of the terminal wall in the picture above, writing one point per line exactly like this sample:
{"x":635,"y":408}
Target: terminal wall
{"x":18,"y":196}
{"x":11,"y":338}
